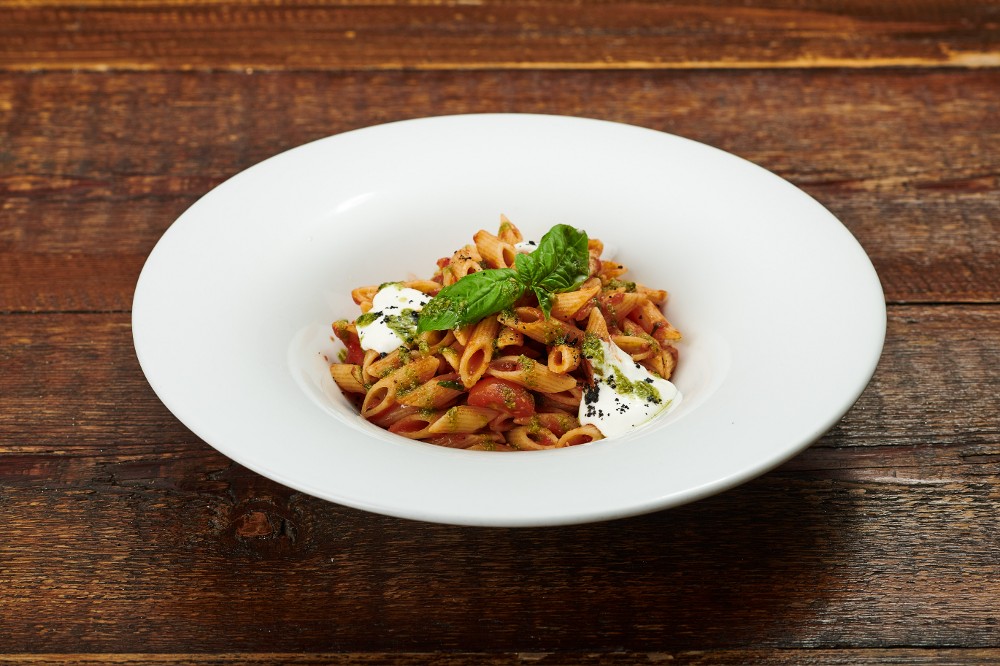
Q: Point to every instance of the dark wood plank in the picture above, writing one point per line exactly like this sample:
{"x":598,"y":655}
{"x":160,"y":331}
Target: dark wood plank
{"x":808,"y":657}
{"x":124,"y":533}
{"x":94,"y":167}
{"x":230,"y":562}
{"x":71,"y":385}
{"x":499,"y":35}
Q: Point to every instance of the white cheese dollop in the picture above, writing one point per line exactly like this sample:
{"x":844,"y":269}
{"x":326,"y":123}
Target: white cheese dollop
{"x":617,"y":407}
{"x":526,"y":247}
{"x":392,"y":321}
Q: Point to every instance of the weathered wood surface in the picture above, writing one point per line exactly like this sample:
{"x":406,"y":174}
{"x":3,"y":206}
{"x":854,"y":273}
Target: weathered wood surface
{"x":125,"y":533}
{"x":829,"y":657}
{"x":126,"y":539}
{"x":495,"y":35}
{"x":94,"y":167}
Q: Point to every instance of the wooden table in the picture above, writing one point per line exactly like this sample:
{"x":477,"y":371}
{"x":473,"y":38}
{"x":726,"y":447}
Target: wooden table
{"x":123,"y":537}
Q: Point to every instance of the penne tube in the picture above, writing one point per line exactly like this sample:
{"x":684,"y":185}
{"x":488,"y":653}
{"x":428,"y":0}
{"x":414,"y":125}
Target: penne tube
{"x":495,"y":252}
{"x":596,"y":325}
{"x":669,"y":356}
{"x":416,"y":425}
{"x":594,"y":266}
{"x":463,"y":334}
{"x":595,"y":246}
{"x":432,"y":342}
{"x":533,"y":323}
{"x":502,"y":422}
{"x":393,"y":414}
{"x":654,"y":364}
{"x":483,"y":441}
{"x":563,"y":359}
{"x":582,"y":435}
{"x":524,"y":438}
{"x":508,"y":232}
{"x":564,"y":400}
{"x":617,"y":305}
{"x":363,"y":294}
{"x":657,"y":296}
{"x":348,"y":377}
{"x":530,"y":374}
{"x":649,"y":317}
{"x":436,"y":393}
{"x":479,"y":351}
{"x":490,"y":446}
{"x":462,"y":419}
{"x":508,"y":337}
{"x":464,"y":261}
{"x":567,"y":304}
{"x":636,"y":347}
{"x":429,"y":287}
{"x":367,"y":374}
{"x":451,"y":355}
{"x":383,"y":394}
{"x":557,"y":421}
{"x":611,"y":269}
{"x":383,"y":365}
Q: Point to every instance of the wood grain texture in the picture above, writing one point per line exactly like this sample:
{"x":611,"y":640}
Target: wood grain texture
{"x":124,"y":533}
{"x":94,"y":167}
{"x":126,"y":539}
{"x":71,"y":387}
{"x":802,"y":657}
{"x":494,"y":35}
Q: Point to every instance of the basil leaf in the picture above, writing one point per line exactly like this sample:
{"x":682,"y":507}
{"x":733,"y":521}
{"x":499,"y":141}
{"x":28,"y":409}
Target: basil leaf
{"x":474,"y":297}
{"x":561,"y":262}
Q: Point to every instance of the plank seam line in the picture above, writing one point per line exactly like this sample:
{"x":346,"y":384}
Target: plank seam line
{"x":989,"y":65}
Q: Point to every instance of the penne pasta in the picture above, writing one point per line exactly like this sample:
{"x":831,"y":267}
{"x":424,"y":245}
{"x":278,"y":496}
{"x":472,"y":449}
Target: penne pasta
{"x":435,"y":393}
{"x":495,"y":252}
{"x":348,"y":377}
{"x":524,"y":438}
{"x":657,"y":296}
{"x":563,"y":359}
{"x":569,"y":399}
{"x":523,"y":372}
{"x":532,"y":323}
{"x":478,"y":352}
{"x":617,"y":305}
{"x":568,"y":304}
{"x":452,"y":355}
{"x":364,"y":294}
{"x":481,"y":441}
{"x":508,"y":337}
{"x":464,"y":261}
{"x":597,"y":326}
{"x":461,"y":419}
{"x":509,"y":233}
{"x":556,"y":421}
{"x":426,"y":286}
{"x":653,"y":322}
{"x":383,"y":394}
{"x":416,"y":425}
{"x":582,"y":435}
{"x":531,"y":374}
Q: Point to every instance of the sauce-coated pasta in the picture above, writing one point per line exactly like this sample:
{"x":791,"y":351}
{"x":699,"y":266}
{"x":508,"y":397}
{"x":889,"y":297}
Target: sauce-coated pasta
{"x":501,"y":350}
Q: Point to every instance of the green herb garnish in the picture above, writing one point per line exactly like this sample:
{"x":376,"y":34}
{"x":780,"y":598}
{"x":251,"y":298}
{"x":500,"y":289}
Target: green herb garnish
{"x":559,"y":263}
{"x":451,"y":384}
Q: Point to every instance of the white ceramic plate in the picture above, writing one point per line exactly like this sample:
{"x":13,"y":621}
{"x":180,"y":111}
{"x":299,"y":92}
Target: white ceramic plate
{"x":782,"y":312}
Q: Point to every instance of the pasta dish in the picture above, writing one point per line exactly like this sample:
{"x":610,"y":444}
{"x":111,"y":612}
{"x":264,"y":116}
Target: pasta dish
{"x":511,"y":345}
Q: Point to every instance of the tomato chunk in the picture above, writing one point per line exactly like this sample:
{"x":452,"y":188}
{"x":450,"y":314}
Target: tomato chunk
{"x":502,"y":395}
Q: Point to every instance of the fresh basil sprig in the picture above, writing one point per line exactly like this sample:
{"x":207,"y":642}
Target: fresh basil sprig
{"x":559,"y":263}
